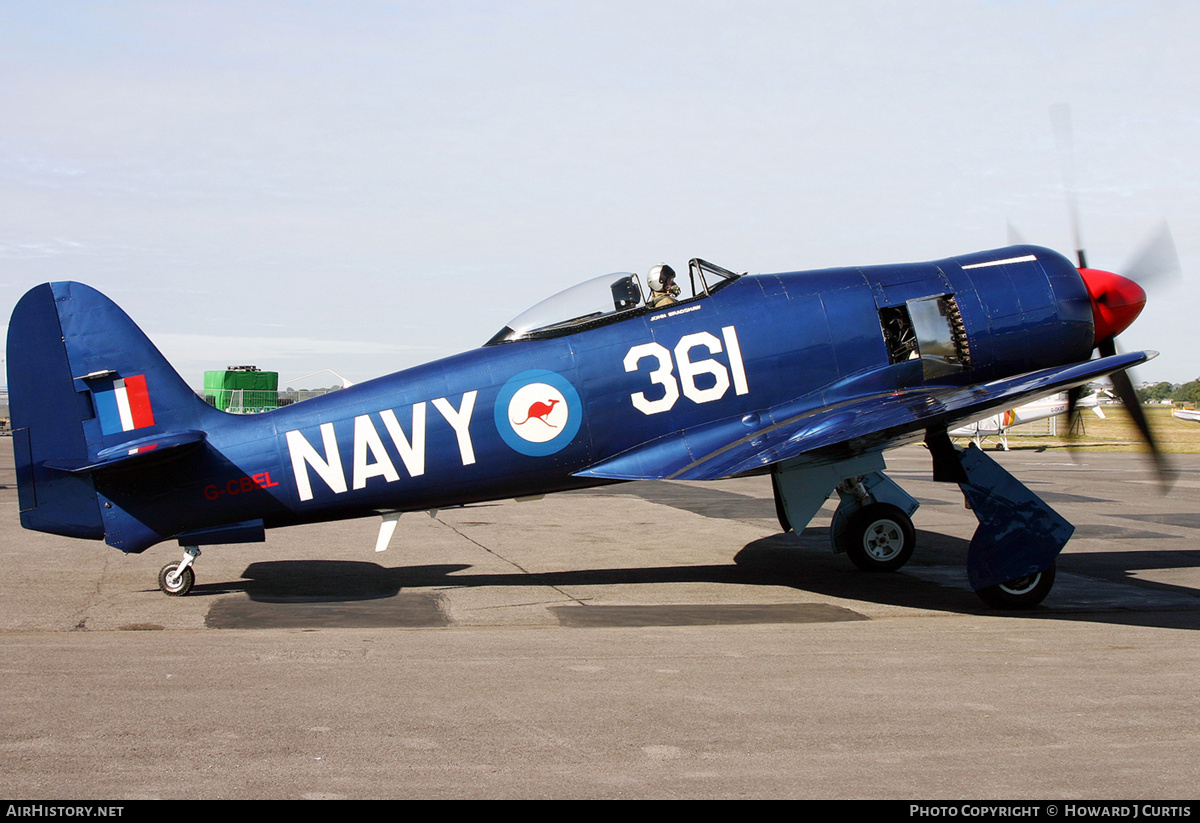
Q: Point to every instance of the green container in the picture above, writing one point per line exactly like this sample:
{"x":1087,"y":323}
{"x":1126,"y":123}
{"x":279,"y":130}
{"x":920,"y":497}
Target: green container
{"x":242,"y":389}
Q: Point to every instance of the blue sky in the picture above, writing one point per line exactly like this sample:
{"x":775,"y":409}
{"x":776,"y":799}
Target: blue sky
{"x":367,"y":186}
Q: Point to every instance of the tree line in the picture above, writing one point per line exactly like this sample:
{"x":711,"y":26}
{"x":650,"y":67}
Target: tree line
{"x":1186,"y":393}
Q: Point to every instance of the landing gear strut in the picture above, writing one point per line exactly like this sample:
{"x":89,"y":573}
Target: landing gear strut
{"x":873,"y":523}
{"x":177,"y":579}
{"x":1010,"y":563}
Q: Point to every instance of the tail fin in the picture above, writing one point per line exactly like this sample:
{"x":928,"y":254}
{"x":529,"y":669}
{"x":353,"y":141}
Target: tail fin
{"x":88,"y":392}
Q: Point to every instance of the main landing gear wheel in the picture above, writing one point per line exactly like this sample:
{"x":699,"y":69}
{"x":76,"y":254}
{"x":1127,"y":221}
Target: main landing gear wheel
{"x":1022,"y":593}
{"x":879,"y":538}
{"x":176,"y":585}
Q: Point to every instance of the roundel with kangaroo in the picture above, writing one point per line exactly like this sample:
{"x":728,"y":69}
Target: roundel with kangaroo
{"x":538,"y":412}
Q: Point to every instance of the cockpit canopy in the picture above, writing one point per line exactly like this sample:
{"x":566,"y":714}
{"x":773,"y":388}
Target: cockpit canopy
{"x":601,"y":300}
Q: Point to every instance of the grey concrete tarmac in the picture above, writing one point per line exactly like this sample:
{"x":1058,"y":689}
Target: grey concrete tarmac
{"x":648,"y":640}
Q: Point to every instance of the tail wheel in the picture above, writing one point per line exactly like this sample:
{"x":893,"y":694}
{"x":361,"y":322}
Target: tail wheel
{"x":879,"y":538}
{"x":1021,"y":593}
{"x":175,"y":585}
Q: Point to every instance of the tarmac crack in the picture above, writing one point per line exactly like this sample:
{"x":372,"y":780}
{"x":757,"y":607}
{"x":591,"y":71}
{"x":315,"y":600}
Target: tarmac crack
{"x":539,"y":579}
{"x":95,"y":597}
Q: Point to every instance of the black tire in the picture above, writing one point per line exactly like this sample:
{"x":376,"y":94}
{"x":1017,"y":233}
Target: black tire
{"x":780,"y":508}
{"x":879,"y":538}
{"x":1022,"y":593}
{"x":184,"y":585}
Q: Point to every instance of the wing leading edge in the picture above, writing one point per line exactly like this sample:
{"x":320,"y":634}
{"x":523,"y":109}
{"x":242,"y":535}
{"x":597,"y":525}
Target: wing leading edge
{"x":806,"y":425}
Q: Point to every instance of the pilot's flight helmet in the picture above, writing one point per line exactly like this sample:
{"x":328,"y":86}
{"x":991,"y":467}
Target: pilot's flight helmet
{"x":661,"y":277}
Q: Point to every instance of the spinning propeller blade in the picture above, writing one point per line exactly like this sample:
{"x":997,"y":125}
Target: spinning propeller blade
{"x":1123,"y":386}
{"x":1117,"y":299}
{"x":1064,"y":139}
{"x":1157,"y":260}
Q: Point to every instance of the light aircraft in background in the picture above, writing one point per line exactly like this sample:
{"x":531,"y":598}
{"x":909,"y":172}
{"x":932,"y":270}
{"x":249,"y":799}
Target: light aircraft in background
{"x":805,"y":376}
{"x":997,"y":425}
{"x":1191,"y":415}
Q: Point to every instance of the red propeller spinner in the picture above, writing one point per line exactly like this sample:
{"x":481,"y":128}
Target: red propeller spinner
{"x":1116,"y":302}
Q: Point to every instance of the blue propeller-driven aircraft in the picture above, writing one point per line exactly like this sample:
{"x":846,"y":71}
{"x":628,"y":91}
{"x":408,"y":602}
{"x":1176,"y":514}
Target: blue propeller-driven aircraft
{"x":805,"y":376}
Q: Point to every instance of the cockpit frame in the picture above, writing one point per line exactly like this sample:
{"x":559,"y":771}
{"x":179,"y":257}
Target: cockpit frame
{"x":610,"y":298}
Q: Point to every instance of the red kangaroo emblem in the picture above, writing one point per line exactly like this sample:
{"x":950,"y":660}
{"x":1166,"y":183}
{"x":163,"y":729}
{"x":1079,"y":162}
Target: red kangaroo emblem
{"x":539,"y":411}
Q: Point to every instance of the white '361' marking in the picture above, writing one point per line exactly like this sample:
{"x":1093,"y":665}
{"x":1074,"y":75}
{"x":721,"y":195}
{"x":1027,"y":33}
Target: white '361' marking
{"x":664,"y":373}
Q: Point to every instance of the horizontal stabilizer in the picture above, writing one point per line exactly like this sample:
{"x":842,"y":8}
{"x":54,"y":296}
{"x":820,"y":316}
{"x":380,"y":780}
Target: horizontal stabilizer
{"x":141,"y":450}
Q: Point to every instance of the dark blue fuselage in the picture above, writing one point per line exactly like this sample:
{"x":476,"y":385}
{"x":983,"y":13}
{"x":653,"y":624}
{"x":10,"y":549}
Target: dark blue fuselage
{"x":523,"y":417}
{"x":433,"y":436}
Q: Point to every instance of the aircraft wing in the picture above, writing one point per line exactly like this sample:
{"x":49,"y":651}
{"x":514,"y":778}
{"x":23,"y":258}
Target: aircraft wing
{"x":810,"y":426}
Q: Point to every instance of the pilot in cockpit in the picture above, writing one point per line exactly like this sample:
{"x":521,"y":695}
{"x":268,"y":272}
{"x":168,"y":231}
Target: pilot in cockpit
{"x":663,"y":289}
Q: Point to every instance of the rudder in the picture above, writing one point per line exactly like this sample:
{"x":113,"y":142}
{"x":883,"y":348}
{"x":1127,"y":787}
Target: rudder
{"x":87,"y":390}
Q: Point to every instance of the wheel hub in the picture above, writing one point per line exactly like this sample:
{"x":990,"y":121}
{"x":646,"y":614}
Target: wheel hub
{"x":883,"y":540}
{"x":1022,"y":585}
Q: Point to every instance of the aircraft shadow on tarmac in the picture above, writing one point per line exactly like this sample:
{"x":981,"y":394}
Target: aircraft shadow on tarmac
{"x":1096,"y":587}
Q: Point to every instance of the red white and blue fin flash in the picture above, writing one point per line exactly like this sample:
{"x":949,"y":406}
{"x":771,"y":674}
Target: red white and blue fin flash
{"x":125,"y":407}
